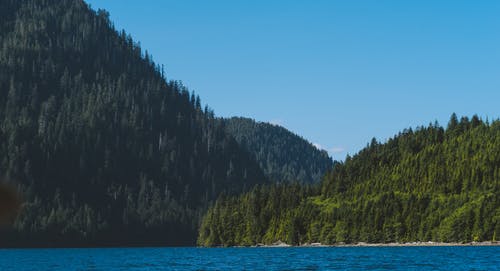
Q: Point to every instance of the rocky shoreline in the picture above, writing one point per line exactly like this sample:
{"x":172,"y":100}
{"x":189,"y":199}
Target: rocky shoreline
{"x":363,"y":244}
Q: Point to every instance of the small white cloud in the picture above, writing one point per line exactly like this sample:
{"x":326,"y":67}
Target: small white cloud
{"x":330,"y":150}
{"x":278,"y":122}
{"x":337,"y":149}
{"x":318,"y":146}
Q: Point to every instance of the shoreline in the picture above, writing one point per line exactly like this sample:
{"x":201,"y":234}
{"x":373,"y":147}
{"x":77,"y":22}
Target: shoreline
{"x":278,"y":244}
{"x":364,"y":244}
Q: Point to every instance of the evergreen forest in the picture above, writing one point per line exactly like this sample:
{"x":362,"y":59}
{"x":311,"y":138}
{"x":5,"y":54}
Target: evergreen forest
{"x":282,"y":155}
{"x":102,"y":148}
{"x":428,"y":184}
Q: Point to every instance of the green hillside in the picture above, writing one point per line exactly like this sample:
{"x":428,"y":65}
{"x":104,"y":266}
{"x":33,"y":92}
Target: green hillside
{"x":104,"y":150}
{"x":282,"y":155}
{"x":428,"y":184}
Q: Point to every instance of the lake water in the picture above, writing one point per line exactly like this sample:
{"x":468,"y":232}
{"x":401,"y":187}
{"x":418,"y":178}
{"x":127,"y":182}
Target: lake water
{"x":332,"y":258}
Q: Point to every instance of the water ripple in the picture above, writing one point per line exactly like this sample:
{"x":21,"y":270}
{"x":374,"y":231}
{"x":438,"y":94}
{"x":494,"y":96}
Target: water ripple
{"x":202,"y":259}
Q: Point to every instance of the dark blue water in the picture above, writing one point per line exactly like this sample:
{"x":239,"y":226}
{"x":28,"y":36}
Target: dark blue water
{"x":334,"y":258}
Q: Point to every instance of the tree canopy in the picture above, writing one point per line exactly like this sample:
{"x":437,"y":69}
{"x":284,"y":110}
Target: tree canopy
{"x":103,"y":148}
{"x":428,"y":184}
{"x":282,"y":155}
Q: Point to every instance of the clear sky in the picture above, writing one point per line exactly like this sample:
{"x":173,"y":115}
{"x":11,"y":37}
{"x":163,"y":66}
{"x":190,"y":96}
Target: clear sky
{"x":335,"y":72}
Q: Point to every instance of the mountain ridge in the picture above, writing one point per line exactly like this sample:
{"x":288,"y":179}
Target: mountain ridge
{"x":102,"y":147}
{"x":283,"y":155}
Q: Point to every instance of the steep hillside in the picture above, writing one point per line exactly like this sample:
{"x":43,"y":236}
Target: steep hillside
{"x":104,"y":150}
{"x":431,"y":184}
{"x":283,"y":155}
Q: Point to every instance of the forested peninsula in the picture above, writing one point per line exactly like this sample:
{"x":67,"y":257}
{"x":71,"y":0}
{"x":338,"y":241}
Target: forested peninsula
{"x":428,"y":184}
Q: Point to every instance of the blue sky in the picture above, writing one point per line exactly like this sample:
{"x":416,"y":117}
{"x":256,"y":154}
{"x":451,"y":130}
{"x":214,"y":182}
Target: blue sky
{"x":335,"y":72}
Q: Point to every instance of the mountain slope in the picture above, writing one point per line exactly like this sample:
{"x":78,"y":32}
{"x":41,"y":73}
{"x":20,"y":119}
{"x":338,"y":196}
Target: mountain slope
{"x":103,"y":148}
{"x":283,"y":156}
{"x":432,"y":184}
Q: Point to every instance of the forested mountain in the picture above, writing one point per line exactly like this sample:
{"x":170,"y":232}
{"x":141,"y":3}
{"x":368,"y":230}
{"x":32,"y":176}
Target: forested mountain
{"x":282,"y":155}
{"x":104,"y":150}
{"x":428,"y":184}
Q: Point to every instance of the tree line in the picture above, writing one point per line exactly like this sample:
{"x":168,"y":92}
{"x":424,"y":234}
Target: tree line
{"x":101,"y":146}
{"x":428,"y":184}
{"x":282,"y":155}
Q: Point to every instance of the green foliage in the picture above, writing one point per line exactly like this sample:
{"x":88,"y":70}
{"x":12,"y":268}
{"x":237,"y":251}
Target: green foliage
{"x":104,"y":148}
{"x":431,"y":184}
{"x":283,"y":156}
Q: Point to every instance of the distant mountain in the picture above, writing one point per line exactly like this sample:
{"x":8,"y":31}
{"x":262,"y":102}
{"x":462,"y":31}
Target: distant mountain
{"x":282,"y":155}
{"x":431,"y":184}
{"x":104,"y":150}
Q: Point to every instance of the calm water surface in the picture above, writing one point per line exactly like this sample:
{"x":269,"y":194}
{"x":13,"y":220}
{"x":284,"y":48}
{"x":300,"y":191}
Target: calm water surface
{"x":334,"y":258}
